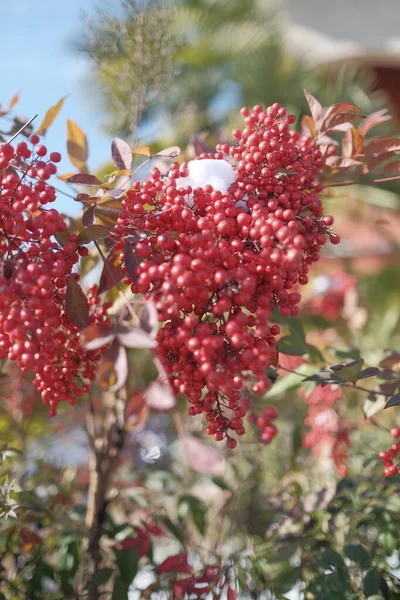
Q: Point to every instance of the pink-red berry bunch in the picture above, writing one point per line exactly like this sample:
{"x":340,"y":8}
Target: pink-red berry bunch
{"x":216,"y":263}
{"x":391,"y":458}
{"x":267,"y":429}
{"x":35,"y":330}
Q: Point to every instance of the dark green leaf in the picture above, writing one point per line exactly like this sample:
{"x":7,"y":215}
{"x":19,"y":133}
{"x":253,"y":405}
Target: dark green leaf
{"x":102,"y":576}
{"x":221,"y":483}
{"x":372,"y":582}
{"x":127,"y":561}
{"x":330,"y":558}
{"x":120,"y":589}
{"x":357,"y":554}
{"x":196,"y":508}
{"x":174,"y":529}
{"x":293,"y":345}
{"x":31,"y":501}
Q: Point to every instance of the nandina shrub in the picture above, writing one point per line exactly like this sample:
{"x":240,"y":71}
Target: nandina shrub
{"x":197,"y":303}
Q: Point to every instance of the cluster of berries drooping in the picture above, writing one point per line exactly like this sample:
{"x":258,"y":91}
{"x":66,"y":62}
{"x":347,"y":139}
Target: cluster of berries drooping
{"x":35,"y":330}
{"x":389,"y":456}
{"x":223,"y":240}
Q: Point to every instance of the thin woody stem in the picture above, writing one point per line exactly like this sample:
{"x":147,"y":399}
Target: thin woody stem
{"x":346,"y":384}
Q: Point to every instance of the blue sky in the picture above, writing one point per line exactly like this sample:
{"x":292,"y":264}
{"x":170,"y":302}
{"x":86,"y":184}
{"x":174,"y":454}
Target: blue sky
{"x":36,"y":58}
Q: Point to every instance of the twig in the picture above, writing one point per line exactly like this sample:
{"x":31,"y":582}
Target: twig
{"x":22,"y":128}
{"x":349,"y":385}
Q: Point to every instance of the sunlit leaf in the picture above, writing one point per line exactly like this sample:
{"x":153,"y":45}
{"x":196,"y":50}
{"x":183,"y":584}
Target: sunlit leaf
{"x":171,"y":152}
{"x":112,"y":272}
{"x":14,"y":101}
{"x":50,"y":115}
{"x":317,"y":110}
{"x":113,"y":368}
{"x":143,"y":150}
{"x":77,"y":146}
{"x":121,"y":154}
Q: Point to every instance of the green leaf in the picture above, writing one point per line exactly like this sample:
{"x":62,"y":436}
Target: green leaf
{"x":358,"y":554}
{"x":330,"y":558}
{"x":349,"y":372}
{"x":120,"y":589}
{"x":372,"y":582}
{"x":32,"y":502}
{"x":127,"y":561}
{"x":221,"y":483}
{"x":174,"y":529}
{"x":197,"y":509}
{"x":102,"y":576}
{"x":293,"y":345}
{"x":387,"y":541}
{"x":315,"y":354}
{"x":92,"y":233}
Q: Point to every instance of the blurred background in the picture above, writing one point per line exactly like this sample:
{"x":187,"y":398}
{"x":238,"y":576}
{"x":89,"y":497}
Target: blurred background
{"x":177,"y":72}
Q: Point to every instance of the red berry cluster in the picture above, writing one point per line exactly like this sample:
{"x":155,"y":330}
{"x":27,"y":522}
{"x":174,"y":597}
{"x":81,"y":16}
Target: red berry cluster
{"x":35,"y":330}
{"x":216,"y":263}
{"x":389,"y":456}
{"x":266,"y":426}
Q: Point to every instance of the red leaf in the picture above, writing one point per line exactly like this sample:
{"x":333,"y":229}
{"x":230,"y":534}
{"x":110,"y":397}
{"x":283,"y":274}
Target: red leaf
{"x":131,"y":261}
{"x":92,"y":233}
{"x":76,"y":305}
{"x":134,"y":337}
{"x":88,"y":216}
{"x":84,"y":179}
{"x":383,"y":145}
{"x":317,"y":110}
{"x":338,"y":119}
{"x":160,"y":397}
{"x":171,"y":152}
{"x":340,"y":107}
{"x":178,"y":563}
{"x":231,"y":594}
{"x":96,"y":336}
{"x":203,"y":457}
{"x":372,"y":120}
{"x":112,"y":272}
{"x":121,"y":154}
{"x":339,"y":162}
{"x":113,"y":368}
